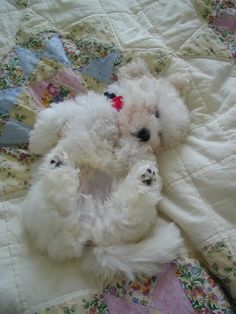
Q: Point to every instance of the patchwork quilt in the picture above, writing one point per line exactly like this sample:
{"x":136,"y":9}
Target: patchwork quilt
{"x":52,"y":50}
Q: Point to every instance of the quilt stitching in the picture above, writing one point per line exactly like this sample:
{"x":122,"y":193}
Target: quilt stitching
{"x":229,"y":136}
{"x":210,"y":211}
{"x":171,"y":185}
{"x":176,"y":48}
{"x":32,"y":9}
{"x":192,"y":36}
{"x":135,"y":14}
{"x":212,"y":116}
{"x":65,"y":301}
{"x":197,"y":10}
{"x":21,"y":299}
{"x":231,"y":61}
{"x":196,"y":87}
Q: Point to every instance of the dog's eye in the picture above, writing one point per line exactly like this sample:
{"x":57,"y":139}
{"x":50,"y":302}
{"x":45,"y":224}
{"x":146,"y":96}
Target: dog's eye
{"x":157,"y":114}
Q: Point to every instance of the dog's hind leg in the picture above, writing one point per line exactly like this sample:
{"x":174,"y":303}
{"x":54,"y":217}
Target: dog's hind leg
{"x":142,"y":184}
{"x":50,"y":210}
{"x":132,"y":203}
{"x":131,"y":242}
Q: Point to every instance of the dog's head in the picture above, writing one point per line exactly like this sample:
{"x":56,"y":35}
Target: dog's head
{"x":154,"y":112}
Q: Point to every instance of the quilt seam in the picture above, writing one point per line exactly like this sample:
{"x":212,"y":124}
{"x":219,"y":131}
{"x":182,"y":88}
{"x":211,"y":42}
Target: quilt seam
{"x":226,"y":132}
{"x":135,"y":14}
{"x":171,"y":185}
{"x":111,"y":24}
{"x":215,"y":58}
{"x":210,"y":211}
{"x":61,"y":299}
{"x":198,"y":13}
{"x":159,"y":33}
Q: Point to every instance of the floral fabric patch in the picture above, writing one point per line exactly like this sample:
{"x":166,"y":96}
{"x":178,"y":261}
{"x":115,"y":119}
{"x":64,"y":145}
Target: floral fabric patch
{"x":183,"y":287}
{"x":65,"y":84}
{"x":205,"y":43}
{"x":222,"y":18}
{"x":11,"y":71}
{"x":221,"y":262}
{"x":201,"y":288}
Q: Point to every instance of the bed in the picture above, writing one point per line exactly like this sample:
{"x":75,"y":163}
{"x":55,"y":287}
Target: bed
{"x":52,"y":50}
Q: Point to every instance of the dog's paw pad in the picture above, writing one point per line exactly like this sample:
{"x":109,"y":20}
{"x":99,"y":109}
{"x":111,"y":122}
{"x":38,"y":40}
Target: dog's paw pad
{"x":58,"y":160}
{"x":148,"y":177}
{"x":56,"y":163}
{"x":147,"y":182}
{"x":152,"y":172}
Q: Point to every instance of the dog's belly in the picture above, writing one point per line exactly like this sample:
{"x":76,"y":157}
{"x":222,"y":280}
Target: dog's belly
{"x":95,"y":183}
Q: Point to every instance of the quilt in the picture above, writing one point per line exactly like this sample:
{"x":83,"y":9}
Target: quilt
{"x":52,"y":50}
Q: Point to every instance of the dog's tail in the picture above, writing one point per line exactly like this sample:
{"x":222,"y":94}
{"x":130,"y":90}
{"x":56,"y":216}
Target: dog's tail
{"x":146,"y":257}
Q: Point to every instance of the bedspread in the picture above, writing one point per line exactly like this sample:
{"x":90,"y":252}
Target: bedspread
{"x":51,"y":50}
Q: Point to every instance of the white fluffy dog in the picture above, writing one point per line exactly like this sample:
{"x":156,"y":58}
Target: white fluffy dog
{"x":95,"y":192}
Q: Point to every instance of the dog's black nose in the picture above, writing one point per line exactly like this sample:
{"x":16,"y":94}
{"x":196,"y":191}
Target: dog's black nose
{"x":144,"y":135}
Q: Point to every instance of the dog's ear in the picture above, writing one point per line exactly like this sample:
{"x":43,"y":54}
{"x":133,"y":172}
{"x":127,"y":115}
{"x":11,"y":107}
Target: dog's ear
{"x":134,"y":69}
{"x":181,"y":82}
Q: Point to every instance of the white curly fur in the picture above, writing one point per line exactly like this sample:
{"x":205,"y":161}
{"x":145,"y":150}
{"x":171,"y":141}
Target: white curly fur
{"x":95,"y":193}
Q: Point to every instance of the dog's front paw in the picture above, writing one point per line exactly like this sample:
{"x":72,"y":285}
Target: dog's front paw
{"x":149,"y":176}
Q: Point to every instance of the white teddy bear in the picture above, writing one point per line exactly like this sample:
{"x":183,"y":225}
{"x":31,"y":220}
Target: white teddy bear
{"x":95,"y":193}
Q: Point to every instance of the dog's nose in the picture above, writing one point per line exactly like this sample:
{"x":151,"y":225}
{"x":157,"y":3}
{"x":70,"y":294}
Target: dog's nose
{"x":144,"y":135}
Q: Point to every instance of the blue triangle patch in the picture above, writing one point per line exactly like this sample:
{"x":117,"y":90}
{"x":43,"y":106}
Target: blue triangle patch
{"x":55,"y":51}
{"x":8,"y":99}
{"x":28,"y":60}
{"x":14,"y":132}
{"x":101,"y":69}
